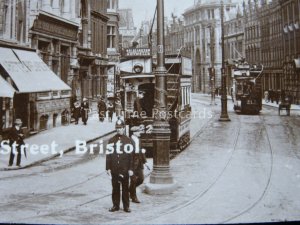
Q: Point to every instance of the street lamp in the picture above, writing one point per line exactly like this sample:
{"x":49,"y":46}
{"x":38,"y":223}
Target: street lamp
{"x":224,"y":115}
{"x":161,"y":180}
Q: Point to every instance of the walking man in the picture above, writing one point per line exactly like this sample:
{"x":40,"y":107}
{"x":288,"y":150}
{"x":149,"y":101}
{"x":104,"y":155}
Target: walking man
{"x":101,"y":109}
{"x":16,"y":139}
{"x":119,"y":166}
{"x":85,"y":110}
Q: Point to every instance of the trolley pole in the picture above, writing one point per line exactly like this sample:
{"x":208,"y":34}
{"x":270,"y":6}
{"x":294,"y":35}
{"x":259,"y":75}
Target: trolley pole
{"x":224,"y":115}
{"x":161,"y":180}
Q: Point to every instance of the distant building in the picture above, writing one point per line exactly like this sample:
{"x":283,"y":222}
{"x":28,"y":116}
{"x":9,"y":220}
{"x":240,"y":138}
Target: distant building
{"x":126,"y":28}
{"x":290,"y":28}
{"x":113,"y":50}
{"x":202,"y":40}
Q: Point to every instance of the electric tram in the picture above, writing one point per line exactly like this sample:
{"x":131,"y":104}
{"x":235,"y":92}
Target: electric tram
{"x":246,"y":89}
{"x":137,"y":78}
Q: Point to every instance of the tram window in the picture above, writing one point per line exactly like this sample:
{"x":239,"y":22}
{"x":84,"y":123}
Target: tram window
{"x":182,"y":98}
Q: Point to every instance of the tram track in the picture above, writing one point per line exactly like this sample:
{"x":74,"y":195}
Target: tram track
{"x":201,"y":194}
{"x":215,"y":181}
{"x":192,"y":200}
{"x":265,"y":189}
{"x":76,"y":185}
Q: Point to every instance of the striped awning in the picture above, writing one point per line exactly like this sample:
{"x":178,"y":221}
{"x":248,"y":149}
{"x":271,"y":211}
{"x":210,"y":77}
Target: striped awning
{"x":28,"y":72}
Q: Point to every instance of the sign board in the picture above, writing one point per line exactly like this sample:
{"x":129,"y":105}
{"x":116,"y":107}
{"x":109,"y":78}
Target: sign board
{"x":134,"y":52}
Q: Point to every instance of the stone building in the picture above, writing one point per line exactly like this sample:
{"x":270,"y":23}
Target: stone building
{"x":71,"y":39}
{"x":174,"y":41}
{"x":113,"y":47}
{"x":127,"y":29}
{"x":290,"y":12}
{"x":203,"y":40}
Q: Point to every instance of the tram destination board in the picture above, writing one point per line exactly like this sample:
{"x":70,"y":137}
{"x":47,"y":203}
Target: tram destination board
{"x":137,"y":52}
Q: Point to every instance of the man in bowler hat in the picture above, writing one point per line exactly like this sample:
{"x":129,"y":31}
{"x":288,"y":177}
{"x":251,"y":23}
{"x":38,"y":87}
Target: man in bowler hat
{"x":16,"y":138}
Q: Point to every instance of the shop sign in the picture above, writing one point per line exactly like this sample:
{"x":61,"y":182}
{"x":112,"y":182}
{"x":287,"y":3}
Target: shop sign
{"x":133,"y":52}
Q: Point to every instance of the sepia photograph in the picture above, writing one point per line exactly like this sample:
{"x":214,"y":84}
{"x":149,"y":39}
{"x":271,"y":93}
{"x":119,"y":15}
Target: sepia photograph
{"x":149,"y":111}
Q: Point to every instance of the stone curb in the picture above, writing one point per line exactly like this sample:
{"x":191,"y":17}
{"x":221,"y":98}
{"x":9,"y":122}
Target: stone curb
{"x":53,"y":156}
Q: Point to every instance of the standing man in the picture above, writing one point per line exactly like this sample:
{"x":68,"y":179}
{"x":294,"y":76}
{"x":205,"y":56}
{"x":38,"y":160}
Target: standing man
{"x":85,"y":110}
{"x":119,"y":166}
{"x":16,"y":139}
{"x":139,"y":159}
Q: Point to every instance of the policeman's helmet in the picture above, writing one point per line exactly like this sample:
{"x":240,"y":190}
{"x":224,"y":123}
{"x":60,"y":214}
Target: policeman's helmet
{"x":120,"y":123}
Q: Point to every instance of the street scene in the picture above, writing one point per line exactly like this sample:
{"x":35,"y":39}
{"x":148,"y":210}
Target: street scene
{"x":153,"y":112}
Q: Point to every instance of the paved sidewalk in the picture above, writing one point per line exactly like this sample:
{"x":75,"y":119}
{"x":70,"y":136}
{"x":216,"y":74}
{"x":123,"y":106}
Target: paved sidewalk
{"x":273,"y":104}
{"x":57,"y":141}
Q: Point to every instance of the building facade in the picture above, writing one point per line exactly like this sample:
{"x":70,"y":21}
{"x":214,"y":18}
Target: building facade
{"x":290,"y":13}
{"x":127,"y":29}
{"x":203,"y":41}
{"x":113,"y":47}
{"x":71,"y":39}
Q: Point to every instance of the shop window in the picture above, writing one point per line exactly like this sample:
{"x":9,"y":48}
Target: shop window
{"x":43,"y":122}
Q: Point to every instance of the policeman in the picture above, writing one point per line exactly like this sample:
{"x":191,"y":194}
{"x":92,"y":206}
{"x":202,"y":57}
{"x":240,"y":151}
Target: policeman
{"x":119,"y":166}
{"x":139,"y":159}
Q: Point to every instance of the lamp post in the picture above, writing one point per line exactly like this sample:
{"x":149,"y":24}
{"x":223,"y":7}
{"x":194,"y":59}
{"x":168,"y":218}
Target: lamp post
{"x":224,"y":115}
{"x":161,"y":180}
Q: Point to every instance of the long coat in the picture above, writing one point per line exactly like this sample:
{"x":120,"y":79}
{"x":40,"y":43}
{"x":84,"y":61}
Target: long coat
{"x":119,"y":163}
{"x":15,"y":135}
{"x":102,"y":108}
{"x":84,"y":111}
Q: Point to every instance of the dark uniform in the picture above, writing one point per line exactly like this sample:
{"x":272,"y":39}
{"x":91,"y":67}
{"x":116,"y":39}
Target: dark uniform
{"x":15,"y":136}
{"x":101,"y":110}
{"x":119,"y":164}
{"x":84,"y":111}
{"x":76,"y":111}
{"x":139,"y":159}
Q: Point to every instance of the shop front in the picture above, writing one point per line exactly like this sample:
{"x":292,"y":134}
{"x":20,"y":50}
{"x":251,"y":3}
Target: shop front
{"x":6,"y":95}
{"x":42,"y":99}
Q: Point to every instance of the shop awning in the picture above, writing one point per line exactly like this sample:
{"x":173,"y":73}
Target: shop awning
{"x":29,"y":72}
{"x":6,"y":90}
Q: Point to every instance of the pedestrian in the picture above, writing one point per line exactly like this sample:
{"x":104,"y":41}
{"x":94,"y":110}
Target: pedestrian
{"x":266,"y":93}
{"x":278,"y":94}
{"x":118,"y":108}
{"x":16,"y":140}
{"x":138,"y":104}
{"x":76,"y":111}
{"x":139,"y":160}
{"x":85,"y":110}
{"x":119,"y":166}
{"x":110,"y":109}
{"x":101,"y":109}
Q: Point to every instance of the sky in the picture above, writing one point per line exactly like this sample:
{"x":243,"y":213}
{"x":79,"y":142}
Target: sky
{"x":144,"y":9}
